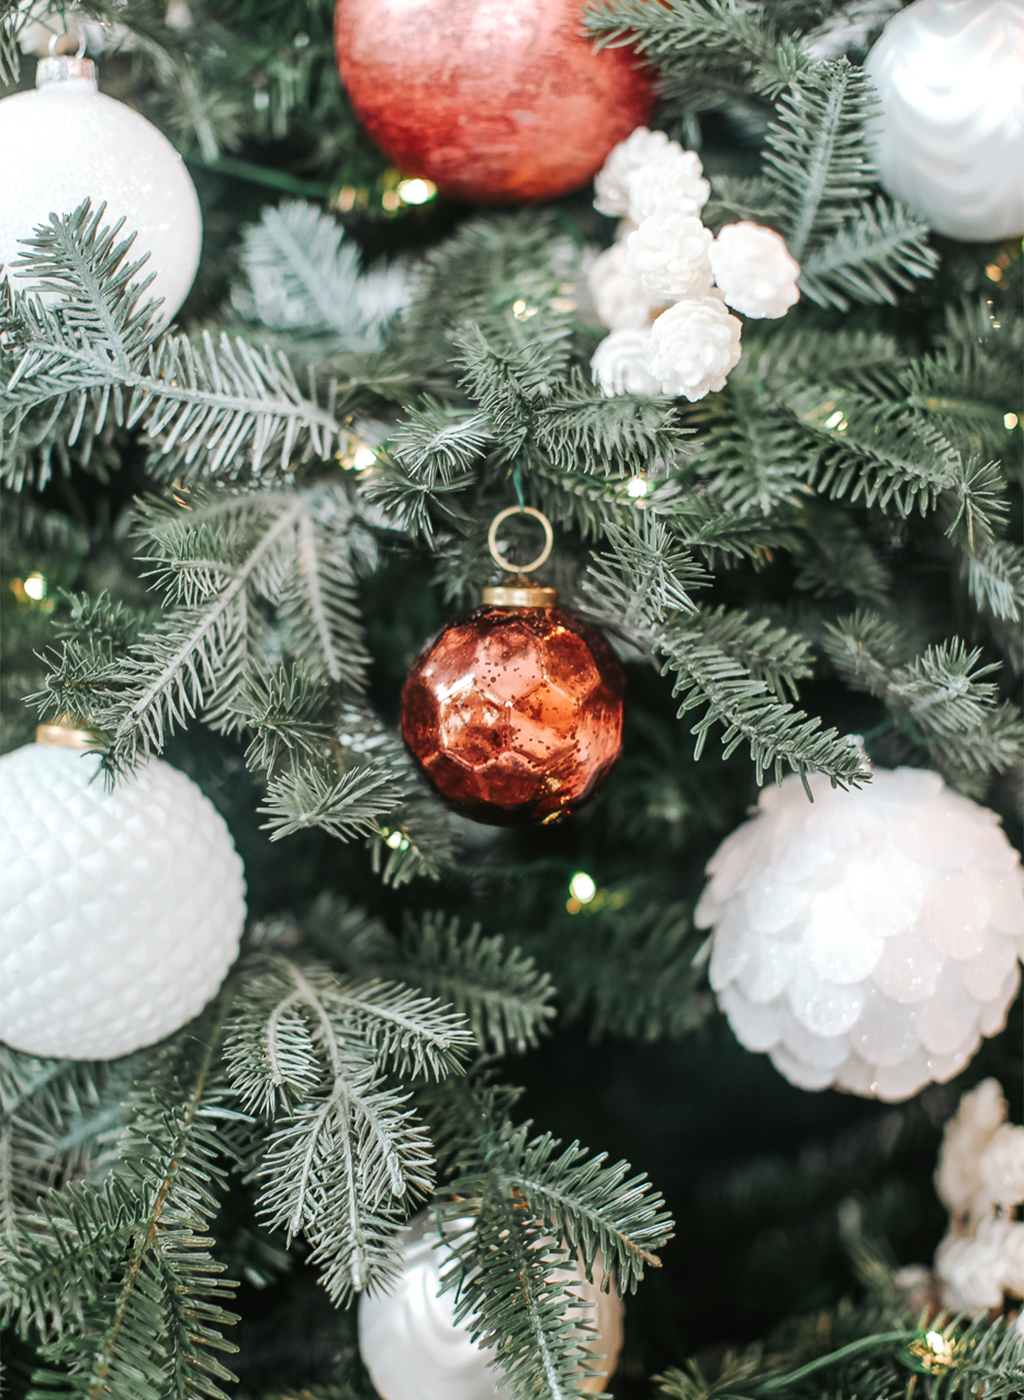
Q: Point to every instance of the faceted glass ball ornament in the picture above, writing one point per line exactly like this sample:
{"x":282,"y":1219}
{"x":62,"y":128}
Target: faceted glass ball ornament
{"x":67,"y":142}
{"x":496,"y":101}
{"x":950,"y":74}
{"x":515,"y":713}
{"x":870,"y":939}
{"x":120,"y":911}
{"x":414,"y":1349}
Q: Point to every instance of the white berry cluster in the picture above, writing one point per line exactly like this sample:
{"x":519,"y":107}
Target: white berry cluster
{"x":663,"y":287}
{"x":980,"y":1179}
{"x":867,"y":940}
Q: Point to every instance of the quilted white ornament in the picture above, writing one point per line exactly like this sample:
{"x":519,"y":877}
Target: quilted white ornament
{"x":754,"y":270}
{"x":619,"y":364}
{"x":415,"y":1350}
{"x":693,"y":346}
{"x":611,"y":181}
{"x":950,"y":74}
{"x":668,"y":256}
{"x":120,"y":912}
{"x":869,"y":940}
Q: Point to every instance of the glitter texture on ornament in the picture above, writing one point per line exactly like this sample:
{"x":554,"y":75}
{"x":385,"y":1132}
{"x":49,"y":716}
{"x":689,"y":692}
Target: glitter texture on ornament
{"x":67,"y":142}
{"x":120,"y":911}
{"x":870,"y":939}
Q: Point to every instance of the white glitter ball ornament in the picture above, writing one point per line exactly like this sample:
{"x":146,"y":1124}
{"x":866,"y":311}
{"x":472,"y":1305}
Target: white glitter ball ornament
{"x":120,"y":912}
{"x":870,"y":939}
{"x":950,"y":74}
{"x":415,"y":1350}
{"x":67,"y":142}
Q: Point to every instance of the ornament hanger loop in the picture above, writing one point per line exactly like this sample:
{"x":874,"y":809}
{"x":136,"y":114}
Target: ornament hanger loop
{"x":492,"y":539}
{"x":54,"y":38}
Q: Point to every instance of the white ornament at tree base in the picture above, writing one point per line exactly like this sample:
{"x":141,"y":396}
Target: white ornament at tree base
{"x":950,"y":75}
{"x":120,"y":911}
{"x":67,"y":142}
{"x":415,"y":1350}
{"x":870,"y":939}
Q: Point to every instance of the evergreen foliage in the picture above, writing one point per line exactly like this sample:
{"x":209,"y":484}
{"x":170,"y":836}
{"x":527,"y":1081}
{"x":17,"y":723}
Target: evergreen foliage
{"x":312,"y":459}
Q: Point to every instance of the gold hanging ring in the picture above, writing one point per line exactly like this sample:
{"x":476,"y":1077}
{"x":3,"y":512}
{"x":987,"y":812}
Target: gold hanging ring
{"x":492,"y":539}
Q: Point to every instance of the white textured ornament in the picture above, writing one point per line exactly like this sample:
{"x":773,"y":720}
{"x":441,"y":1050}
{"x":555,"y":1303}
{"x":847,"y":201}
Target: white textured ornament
{"x":120,"y":912}
{"x":950,"y":74}
{"x":668,"y":256}
{"x":693,"y":346}
{"x":67,"y":142}
{"x":415,"y":1350}
{"x":754,"y":270}
{"x":869,"y":940}
{"x":619,"y":365}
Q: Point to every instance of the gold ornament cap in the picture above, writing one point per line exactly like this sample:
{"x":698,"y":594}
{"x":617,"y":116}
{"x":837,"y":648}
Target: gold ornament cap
{"x":67,"y":735}
{"x":520,"y":595}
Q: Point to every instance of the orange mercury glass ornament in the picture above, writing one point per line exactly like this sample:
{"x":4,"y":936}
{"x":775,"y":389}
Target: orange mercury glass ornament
{"x":496,"y":101}
{"x":514,"y":712}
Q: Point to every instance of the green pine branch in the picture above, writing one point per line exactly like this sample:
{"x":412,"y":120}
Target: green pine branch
{"x":223,"y":407}
{"x":119,"y":1280}
{"x":345,"y":1158}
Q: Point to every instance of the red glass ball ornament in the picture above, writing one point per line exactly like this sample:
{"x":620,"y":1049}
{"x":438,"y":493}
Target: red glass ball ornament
{"x":496,"y":101}
{"x":515,"y":713}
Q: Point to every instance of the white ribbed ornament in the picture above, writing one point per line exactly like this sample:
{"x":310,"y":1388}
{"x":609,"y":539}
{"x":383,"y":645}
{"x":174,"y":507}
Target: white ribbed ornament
{"x":120,"y":912}
{"x":950,"y":74}
{"x":870,"y":939}
{"x":415,"y":1350}
{"x":67,"y":142}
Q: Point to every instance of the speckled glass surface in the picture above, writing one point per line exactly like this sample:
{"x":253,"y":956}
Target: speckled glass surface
{"x":501,"y":100}
{"x":515,"y":714}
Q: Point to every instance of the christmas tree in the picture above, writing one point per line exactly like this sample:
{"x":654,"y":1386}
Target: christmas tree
{"x":225,"y":542}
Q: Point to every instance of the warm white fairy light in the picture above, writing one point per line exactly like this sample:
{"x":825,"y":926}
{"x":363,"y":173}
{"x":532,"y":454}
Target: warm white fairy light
{"x":582,"y":887}
{"x":35,"y":587}
{"x":416,"y":191}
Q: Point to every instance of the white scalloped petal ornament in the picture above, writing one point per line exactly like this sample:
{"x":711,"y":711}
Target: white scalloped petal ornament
{"x":869,"y":940}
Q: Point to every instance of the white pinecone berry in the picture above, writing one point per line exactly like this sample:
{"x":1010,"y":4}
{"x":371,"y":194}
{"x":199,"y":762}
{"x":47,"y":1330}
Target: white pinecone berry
{"x":754,"y":270}
{"x":870,"y":939}
{"x":668,"y":256}
{"x":672,"y":183}
{"x":619,"y":300}
{"x":967,"y":1136}
{"x":620,"y":365}
{"x":693,"y":346}
{"x":610,"y":183}
{"x":120,"y":911}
